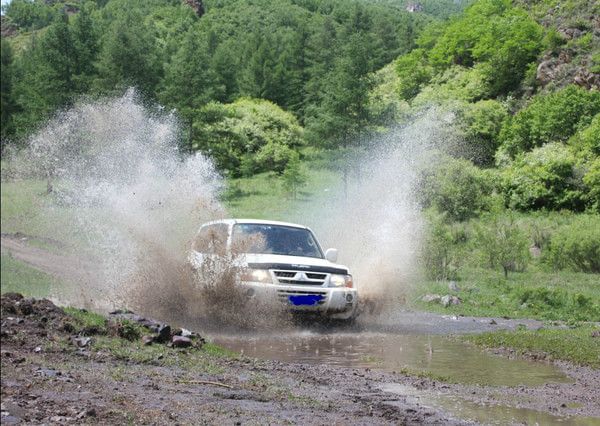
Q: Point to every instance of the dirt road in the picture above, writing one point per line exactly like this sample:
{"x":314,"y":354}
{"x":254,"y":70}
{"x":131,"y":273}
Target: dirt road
{"x":48,"y":379}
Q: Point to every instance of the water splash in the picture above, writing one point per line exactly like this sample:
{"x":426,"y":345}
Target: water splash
{"x":131,"y":199}
{"x":377,"y":224}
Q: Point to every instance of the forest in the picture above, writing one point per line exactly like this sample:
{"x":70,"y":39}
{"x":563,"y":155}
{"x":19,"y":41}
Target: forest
{"x":265,"y":86}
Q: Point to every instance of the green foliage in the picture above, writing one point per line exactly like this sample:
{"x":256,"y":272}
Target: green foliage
{"x":440,"y":255}
{"x":504,"y":245}
{"x":576,"y":246}
{"x":545,"y":178}
{"x":554,"y":117}
{"x":493,"y":32}
{"x":591,"y":180}
{"x":294,"y":176}
{"x":254,"y":133}
{"x":457,"y":83}
{"x":129,"y":55}
{"x":7,"y":105}
{"x":457,"y":188}
{"x":586,"y":141}
{"x":414,"y":72}
{"x":29,"y":14}
{"x":482,"y":122}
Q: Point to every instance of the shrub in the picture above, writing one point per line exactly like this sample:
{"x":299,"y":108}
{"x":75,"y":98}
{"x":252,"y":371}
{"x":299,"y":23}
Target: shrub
{"x":457,"y":188}
{"x":482,"y":122}
{"x":504,"y":244}
{"x":586,"y":142}
{"x":545,"y":178}
{"x":549,"y":118}
{"x":440,"y":256}
{"x":248,"y":135}
{"x":591,"y":180}
{"x":413,"y":71}
{"x":576,"y":246}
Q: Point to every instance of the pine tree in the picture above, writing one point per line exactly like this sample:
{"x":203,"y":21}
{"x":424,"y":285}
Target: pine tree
{"x":7,"y":105}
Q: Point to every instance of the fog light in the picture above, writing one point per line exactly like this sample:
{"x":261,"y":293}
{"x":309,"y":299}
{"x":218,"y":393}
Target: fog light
{"x":250,"y":292}
{"x":349,"y":298}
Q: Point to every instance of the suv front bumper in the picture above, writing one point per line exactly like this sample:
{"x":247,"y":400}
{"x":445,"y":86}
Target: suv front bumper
{"x":334,"y":302}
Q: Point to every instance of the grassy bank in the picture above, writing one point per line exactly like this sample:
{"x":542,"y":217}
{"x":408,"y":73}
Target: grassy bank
{"x":21,"y":278}
{"x":564,"y":296}
{"x":579,"y":345}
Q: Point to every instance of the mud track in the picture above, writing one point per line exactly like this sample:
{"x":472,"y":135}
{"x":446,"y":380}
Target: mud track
{"x":46,"y":379}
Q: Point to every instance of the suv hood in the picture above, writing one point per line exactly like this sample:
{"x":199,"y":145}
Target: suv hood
{"x":299,"y":263}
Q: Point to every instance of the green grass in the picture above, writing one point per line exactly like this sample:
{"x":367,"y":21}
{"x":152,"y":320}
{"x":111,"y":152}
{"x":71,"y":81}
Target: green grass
{"x":575,"y":345}
{"x":21,"y":278}
{"x":262,"y":196}
{"x":28,"y":209}
{"x":565,"y":296}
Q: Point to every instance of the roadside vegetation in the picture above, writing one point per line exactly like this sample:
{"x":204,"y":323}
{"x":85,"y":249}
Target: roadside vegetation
{"x":579,"y":345}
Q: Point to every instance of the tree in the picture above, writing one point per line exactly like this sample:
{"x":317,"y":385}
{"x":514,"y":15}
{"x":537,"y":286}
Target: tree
{"x":190,"y":81}
{"x":504,"y":244}
{"x":86,"y":47}
{"x":129,"y":55}
{"x":7,"y":106}
{"x":293,"y":176}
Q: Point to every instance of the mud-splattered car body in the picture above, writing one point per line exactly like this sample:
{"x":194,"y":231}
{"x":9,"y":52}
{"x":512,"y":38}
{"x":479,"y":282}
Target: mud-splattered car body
{"x":279,"y":261}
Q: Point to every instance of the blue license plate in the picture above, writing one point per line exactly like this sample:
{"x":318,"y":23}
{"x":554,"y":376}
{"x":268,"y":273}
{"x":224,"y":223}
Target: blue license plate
{"x":305,"y":299}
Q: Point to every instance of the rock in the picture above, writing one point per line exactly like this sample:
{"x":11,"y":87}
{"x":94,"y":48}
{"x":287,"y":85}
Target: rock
{"x":37,"y":349}
{"x":493,"y":322}
{"x":47,"y":372}
{"x":181,"y":342}
{"x":596,"y":333}
{"x":164,"y":334}
{"x":453,"y":286}
{"x":448,"y":300}
{"x":431,"y":298}
{"x":81,"y":342}
{"x":186,"y":333}
{"x":90,"y":412}
{"x":148,"y":340}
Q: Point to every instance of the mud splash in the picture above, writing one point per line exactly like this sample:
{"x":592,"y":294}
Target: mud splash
{"x":375,"y":219}
{"x":115,"y":175}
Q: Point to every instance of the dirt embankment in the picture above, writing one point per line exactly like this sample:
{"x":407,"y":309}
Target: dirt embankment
{"x":48,"y":377}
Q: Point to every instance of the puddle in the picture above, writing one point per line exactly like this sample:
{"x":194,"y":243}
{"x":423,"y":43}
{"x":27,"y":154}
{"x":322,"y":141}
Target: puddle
{"x":435,"y":355}
{"x":487,"y":414}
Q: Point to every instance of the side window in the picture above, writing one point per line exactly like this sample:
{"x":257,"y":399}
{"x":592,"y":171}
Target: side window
{"x":212,"y":239}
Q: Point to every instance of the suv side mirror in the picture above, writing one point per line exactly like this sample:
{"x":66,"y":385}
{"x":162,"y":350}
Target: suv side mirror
{"x":331,"y":255}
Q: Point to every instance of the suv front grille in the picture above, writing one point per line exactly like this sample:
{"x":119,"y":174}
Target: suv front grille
{"x":299,"y":277}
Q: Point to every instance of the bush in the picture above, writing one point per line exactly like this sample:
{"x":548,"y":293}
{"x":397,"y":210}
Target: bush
{"x":545,"y":178}
{"x":549,"y":118}
{"x":413,"y":71}
{"x":491,"y":32}
{"x":576,"y":246}
{"x":504,"y":245}
{"x":591,"y":180}
{"x":482,"y":122}
{"x":247,"y":136}
{"x":441,"y":257}
{"x":457,"y":188}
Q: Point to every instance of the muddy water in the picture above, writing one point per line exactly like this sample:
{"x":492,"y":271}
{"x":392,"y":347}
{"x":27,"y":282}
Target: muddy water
{"x":436,"y":355}
{"x":484,"y":413}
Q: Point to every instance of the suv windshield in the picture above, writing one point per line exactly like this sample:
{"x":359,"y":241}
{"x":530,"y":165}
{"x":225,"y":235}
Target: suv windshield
{"x":274,"y":239}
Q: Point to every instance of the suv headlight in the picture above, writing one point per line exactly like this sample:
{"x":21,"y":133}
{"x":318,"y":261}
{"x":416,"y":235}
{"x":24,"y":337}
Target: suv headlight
{"x":336,"y":280}
{"x":257,"y":275}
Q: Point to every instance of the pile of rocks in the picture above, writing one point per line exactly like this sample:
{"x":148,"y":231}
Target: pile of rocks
{"x":162,"y":333}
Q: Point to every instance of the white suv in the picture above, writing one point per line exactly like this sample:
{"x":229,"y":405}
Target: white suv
{"x":280,"y":261}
